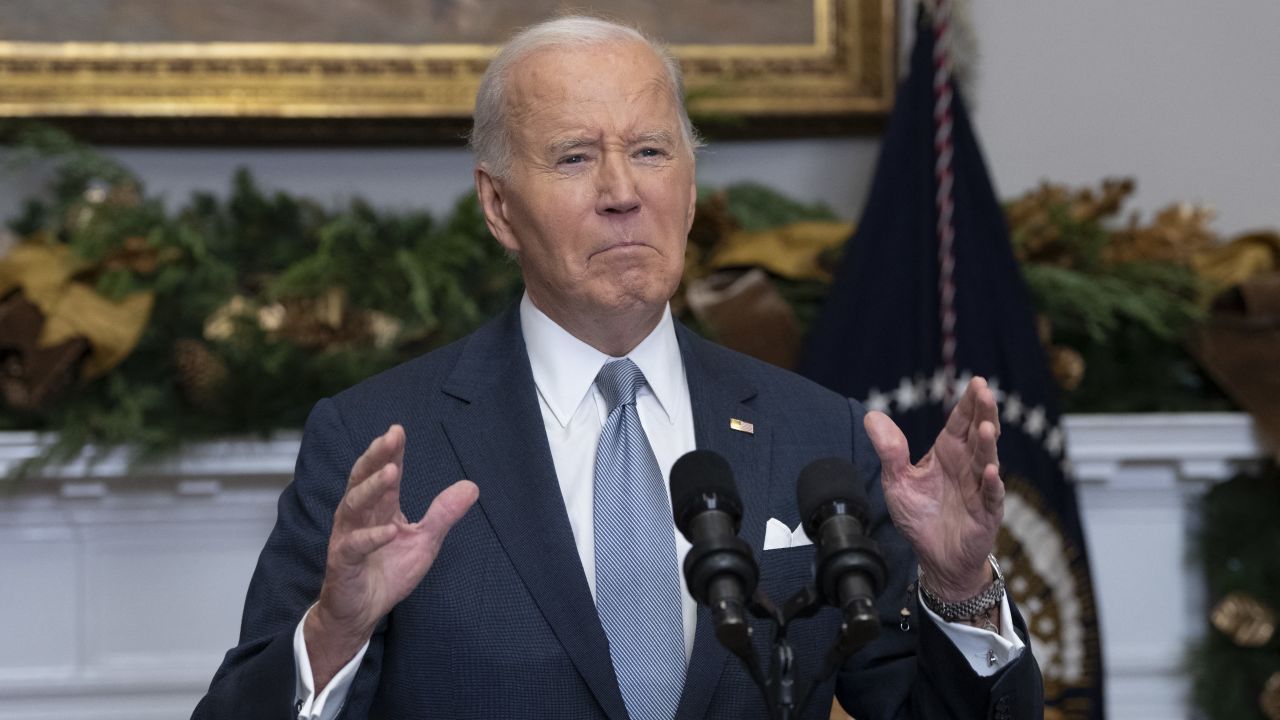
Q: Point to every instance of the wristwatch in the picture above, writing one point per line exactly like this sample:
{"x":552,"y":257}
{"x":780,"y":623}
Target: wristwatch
{"x":978,"y":605}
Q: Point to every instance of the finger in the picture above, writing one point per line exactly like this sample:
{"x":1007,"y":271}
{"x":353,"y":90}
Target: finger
{"x":398,"y":444}
{"x":358,"y":545}
{"x":387,"y":447}
{"x":890,"y":445}
{"x":988,"y":410}
{"x":446,"y":509}
{"x":993,"y":491}
{"x":962,"y":416}
{"x":984,"y":448}
{"x":366,"y":502}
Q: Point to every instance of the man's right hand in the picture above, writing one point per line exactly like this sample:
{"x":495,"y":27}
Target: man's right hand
{"x":376,"y":556}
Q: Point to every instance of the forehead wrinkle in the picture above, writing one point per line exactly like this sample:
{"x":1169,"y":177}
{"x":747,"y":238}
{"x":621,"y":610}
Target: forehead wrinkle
{"x":658,"y":86}
{"x":537,"y":97}
{"x":530,"y":93}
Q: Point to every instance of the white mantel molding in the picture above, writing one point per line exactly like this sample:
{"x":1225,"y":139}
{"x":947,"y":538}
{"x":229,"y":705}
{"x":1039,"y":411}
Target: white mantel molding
{"x":123,"y":582}
{"x":242,"y":457}
{"x":1203,"y":447}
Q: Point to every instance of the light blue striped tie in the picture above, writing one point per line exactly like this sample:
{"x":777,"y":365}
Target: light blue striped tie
{"x":637,"y":578}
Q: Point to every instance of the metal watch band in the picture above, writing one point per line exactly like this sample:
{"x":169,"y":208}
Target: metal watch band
{"x":977,"y":605}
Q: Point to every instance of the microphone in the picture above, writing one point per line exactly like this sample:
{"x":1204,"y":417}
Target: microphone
{"x":720,"y":570}
{"x":849,"y":570}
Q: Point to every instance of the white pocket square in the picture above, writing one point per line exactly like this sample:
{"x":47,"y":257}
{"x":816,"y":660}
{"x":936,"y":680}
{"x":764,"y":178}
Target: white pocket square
{"x":777,"y":536}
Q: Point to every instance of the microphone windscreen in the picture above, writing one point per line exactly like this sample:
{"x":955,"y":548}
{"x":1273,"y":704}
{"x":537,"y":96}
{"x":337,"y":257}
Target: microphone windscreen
{"x":828,"y":479}
{"x":700,"y":473}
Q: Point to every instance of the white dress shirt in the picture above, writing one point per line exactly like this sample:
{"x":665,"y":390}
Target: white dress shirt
{"x":573,"y":414}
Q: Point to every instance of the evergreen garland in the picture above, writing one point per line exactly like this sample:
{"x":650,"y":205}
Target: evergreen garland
{"x":1239,"y":548}
{"x":362,"y":289}
{"x":254,"y":251}
{"x":1122,"y":309}
{"x":437,"y":281}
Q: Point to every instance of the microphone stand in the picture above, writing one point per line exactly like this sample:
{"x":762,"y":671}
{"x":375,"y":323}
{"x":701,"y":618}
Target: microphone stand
{"x":784,"y":694}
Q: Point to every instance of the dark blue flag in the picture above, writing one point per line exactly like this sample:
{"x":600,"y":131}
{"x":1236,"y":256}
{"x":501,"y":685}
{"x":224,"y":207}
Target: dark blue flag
{"x":880,"y":339}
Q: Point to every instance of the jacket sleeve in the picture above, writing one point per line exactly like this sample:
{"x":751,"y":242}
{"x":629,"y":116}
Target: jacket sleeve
{"x":912,"y":669}
{"x":257,"y":677}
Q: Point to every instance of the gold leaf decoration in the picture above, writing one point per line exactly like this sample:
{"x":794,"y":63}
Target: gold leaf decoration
{"x":1036,"y":223}
{"x":1269,"y":698}
{"x":113,"y":328}
{"x":44,"y":272}
{"x":1246,"y":620}
{"x":1175,"y":235}
{"x":1244,"y":257}
{"x":792,"y":251}
{"x":221,"y":323}
{"x":326,"y":321}
{"x":39,"y":267}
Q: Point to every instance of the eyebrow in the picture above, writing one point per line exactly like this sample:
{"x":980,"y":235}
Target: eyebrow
{"x":653,"y":137}
{"x":564,"y":145}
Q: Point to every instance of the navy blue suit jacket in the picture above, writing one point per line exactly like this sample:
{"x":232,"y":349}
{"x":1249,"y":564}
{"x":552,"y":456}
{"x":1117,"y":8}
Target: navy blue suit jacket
{"x":504,"y":625}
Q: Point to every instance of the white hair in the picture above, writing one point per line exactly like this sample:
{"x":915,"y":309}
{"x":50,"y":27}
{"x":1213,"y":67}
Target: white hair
{"x":490,"y":137}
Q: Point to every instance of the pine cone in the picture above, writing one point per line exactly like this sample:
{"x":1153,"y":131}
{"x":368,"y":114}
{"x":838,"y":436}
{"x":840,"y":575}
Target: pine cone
{"x":201,"y":373}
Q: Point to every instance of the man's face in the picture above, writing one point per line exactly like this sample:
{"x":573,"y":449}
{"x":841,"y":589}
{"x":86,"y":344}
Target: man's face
{"x":600,"y":195}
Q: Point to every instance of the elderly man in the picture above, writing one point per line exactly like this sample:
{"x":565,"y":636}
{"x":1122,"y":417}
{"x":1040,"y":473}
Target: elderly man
{"x":558,"y":595}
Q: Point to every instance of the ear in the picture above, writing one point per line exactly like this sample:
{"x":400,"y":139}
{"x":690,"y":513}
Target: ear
{"x":693,"y":205}
{"x":493,"y":203}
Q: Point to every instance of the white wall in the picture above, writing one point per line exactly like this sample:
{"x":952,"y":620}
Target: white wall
{"x":417,"y":177}
{"x":1182,"y":95}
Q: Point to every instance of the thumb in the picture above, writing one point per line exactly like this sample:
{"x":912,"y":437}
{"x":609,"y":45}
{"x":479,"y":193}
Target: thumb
{"x":890,"y":445}
{"x":448,"y":508}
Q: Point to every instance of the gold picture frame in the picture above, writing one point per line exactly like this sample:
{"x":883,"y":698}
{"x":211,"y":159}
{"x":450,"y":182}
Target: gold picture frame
{"x":281,"y":91}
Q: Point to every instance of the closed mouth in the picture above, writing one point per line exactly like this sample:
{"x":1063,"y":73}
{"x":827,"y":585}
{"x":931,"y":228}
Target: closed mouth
{"x":623,"y":245}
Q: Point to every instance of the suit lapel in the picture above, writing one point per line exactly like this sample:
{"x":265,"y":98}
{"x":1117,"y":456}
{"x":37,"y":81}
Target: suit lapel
{"x":718,"y":393}
{"x":498,"y":437}
{"x":500,"y":443}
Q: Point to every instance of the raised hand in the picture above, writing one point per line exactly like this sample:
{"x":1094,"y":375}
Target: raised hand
{"x":376,"y":556}
{"x":950,"y":504}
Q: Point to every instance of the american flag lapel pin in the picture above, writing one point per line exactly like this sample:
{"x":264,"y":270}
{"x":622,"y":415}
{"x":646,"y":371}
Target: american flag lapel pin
{"x":742,"y":426}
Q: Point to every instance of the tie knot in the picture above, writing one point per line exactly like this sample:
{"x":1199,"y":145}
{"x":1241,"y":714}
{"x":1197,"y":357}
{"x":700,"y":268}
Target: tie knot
{"x":618,"y":381}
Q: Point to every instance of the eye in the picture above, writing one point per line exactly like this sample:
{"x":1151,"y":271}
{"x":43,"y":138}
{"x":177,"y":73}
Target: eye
{"x":577,"y":159}
{"x":651,"y":152}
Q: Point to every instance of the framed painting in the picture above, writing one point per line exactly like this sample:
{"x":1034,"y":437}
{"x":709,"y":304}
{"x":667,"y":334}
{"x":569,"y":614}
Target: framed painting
{"x":405,"y":70}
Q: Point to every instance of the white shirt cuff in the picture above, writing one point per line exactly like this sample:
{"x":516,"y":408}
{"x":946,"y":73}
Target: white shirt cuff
{"x":325,"y":706}
{"x":986,"y":651}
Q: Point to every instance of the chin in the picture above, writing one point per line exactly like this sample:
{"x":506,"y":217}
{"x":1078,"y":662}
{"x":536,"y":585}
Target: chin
{"x":630,"y":298}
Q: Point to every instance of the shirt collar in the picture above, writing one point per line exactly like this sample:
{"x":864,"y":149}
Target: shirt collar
{"x":564,"y":367}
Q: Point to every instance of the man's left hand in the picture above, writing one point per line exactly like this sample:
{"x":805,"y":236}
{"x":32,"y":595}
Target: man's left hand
{"x":950,"y":504}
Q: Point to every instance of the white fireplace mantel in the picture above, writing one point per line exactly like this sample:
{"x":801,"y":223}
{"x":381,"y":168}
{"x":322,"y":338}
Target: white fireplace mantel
{"x":123,"y":582}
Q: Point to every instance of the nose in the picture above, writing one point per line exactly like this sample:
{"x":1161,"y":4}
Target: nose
{"x":616,"y":186}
